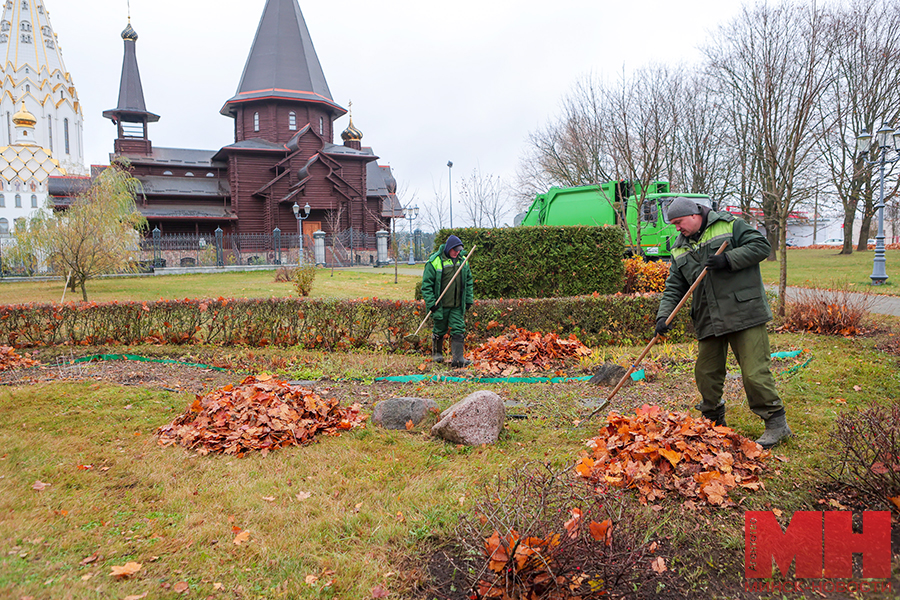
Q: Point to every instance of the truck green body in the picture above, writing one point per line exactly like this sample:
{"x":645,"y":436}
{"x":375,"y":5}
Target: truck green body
{"x":596,"y":205}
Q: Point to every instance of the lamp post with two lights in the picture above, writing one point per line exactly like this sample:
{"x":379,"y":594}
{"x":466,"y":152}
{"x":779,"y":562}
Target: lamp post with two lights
{"x":880,"y":148}
{"x":299,"y":217}
{"x":411,"y":214}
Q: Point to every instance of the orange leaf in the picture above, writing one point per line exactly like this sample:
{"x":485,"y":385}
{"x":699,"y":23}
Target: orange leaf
{"x":585,"y":466}
{"x":600,"y":531}
{"x":895,"y":500}
{"x":242,"y":537}
{"x":409,"y":425}
{"x":573,"y":523}
{"x":181,"y":587}
{"x":127,"y":570}
{"x":670,"y":455}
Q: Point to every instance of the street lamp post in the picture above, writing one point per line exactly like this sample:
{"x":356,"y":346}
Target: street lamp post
{"x":296,"y":209}
{"x":882,"y":147}
{"x":450,"y":180}
{"x":411,"y":214}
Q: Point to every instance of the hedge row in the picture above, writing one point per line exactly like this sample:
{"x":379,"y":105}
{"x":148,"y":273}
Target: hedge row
{"x":319,"y":323}
{"x":543,"y":262}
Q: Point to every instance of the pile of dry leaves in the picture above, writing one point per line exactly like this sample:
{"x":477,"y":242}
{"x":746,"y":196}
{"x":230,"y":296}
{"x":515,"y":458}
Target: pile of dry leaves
{"x":658,"y":452}
{"x":10,"y":359}
{"x":262,"y":413}
{"x":521,"y":350}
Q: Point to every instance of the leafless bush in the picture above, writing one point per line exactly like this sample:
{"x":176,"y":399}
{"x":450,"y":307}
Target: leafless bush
{"x":541,"y":534}
{"x":868,"y":452}
{"x":832,"y":312}
{"x":284,"y":274}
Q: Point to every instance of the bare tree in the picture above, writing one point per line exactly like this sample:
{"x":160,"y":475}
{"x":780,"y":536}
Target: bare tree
{"x":435,"y":213}
{"x":485,"y":199}
{"x":773,"y":60}
{"x":862,"y":94}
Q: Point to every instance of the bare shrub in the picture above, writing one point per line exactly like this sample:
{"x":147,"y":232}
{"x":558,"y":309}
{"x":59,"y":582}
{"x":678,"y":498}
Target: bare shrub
{"x":867,"y":454}
{"x":540,"y":533}
{"x":284,"y":274}
{"x":831,"y":312}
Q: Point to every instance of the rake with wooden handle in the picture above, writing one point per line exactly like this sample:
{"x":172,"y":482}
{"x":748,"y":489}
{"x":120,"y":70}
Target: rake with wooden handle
{"x":656,"y":337}
{"x":414,"y":336}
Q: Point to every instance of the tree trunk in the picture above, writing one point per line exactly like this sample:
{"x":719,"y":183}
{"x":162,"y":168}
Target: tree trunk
{"x":848,"y":226}
{"x":864,"y":234}
{"x":83,"y":291}
{"x":782,"y":278}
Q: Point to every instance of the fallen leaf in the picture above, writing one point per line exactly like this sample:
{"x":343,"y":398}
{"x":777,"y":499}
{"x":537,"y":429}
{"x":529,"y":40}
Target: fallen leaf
{"x":218,"y":586}
{"x":92,"y":558}
{"x":311,"y":579}
{"x":600,"y":531}
{"x":304,"y":495}
{"x":181,"y":587}
{"x":658,"y":565}
{"x":40,"y":486}
{"x":126,"y":570}
{"x":895,"y":500}
{"x":137,"y":597}
{"x":269,"y":498}
{"x":776,"y":512}
{"x":379,"y":592}
{"x":410,"y":425}
{"x":857,"y":388}
{"x":242,"y":537}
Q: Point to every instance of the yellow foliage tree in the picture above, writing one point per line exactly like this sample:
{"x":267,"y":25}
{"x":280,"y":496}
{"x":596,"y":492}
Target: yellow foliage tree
{"x":98,"y":234}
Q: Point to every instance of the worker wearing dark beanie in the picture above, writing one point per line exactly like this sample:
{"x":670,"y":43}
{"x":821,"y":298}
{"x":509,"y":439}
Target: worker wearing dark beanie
{"x":729,"y":309}
{"x":458,"y":297}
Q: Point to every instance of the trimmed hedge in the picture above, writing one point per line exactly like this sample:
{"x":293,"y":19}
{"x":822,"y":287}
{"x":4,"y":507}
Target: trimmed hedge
{"x":543,"y":262}
{"x":320,"y":323}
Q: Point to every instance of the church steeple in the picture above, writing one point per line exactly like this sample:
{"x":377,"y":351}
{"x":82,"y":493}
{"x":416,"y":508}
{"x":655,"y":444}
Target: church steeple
{"x":282,"y":73}
{"x":131,"y":115}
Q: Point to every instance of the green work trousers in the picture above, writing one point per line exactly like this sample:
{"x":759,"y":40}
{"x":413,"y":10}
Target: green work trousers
{"x":450,"y":318}
{"x":753,"y":353}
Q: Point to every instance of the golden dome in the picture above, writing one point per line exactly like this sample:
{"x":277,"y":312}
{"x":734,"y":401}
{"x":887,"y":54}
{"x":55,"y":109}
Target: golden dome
{"x":351,"y":133}
{"x":23,"y":118}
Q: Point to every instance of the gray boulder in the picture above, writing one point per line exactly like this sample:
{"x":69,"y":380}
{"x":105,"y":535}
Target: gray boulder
{"x":477,"y":419}
{"x":395,"y":413}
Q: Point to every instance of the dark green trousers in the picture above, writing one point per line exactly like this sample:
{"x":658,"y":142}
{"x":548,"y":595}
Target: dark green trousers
{"x":453,"y":319}
{"x":753,"y":353}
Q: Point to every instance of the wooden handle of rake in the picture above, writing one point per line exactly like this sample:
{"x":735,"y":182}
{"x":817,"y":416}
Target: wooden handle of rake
{"x":656,"y":337}
{"x":452,"y":279}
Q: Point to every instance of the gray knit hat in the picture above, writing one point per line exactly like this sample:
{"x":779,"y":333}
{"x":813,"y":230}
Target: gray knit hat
{"x":682,"y":207}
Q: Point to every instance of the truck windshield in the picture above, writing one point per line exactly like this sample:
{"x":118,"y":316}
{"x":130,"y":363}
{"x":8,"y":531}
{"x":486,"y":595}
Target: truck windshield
{"x":701,"y":200}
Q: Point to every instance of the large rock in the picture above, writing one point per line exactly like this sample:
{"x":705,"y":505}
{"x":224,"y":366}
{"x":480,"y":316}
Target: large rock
{"x":395,"y":413}
{"x":477,"y":419}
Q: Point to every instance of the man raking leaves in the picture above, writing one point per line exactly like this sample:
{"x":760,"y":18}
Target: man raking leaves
{"x":448,"y":290}
{"x":729,"y":309}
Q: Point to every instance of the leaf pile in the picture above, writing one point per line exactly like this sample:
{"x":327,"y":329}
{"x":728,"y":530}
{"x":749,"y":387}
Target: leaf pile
{"x":521,"y":350}
{"x":261,"y":413}
{"x":656,"y":452}
{"x":10,"y":359}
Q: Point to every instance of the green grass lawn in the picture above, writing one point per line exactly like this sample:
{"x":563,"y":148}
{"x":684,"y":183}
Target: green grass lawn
{"x":828,"y":269}
{"x":236,"y":284}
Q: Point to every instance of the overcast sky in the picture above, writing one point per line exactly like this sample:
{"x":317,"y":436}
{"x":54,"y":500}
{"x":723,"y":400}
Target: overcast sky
{"x":465,"y":81}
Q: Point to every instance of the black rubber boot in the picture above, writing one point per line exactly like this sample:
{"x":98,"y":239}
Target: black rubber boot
{"x":717,"y":416}
{"x":458,"y":349}
{"x":437,"y":348}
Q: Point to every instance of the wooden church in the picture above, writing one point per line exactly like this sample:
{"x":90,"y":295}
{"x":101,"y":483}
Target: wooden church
{"x":282,"y":153}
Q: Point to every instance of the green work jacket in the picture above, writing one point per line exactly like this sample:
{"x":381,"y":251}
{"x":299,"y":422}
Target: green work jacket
{"x":432,"y":276}
{"x":727,"y":300}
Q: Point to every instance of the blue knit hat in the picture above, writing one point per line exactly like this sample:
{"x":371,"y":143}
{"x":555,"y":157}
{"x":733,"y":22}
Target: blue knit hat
{"x":451,"y":243}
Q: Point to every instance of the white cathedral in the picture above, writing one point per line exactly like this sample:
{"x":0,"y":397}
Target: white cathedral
{"x":40,"y":115}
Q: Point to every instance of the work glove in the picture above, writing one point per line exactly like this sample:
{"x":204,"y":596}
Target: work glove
{"x":717,"y":261}
{"x":468,"y":307}
{"x":433,"y":309}
{"x":661,"y":327}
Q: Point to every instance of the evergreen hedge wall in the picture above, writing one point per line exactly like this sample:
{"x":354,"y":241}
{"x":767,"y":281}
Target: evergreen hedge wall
{"x":543,"y":262}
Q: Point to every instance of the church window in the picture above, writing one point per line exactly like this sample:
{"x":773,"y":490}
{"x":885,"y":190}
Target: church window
{"x":50,"y":130}
{"x":8,"y":4}
{"x":45,"y":30}
{"x":292,"y":121}
{"x":167,"y":172}
{"x":26,"y":26}
{"x":60,"y":94}
{"x":3,"y":202}
{"x":3,"y":38}
{"x":4,"y":227}
{"x":27,"y":87}
{"x":34,"y":201}
{"x":26,"y":38}
{"x":256,"y":121}
{"x":188,"y":174}
{"x":210,"y":175}
{"x":24,"y":4}
{"x":49,"y":43}
{"x":40,"y":9}
{"x":5,"y":25}
{"x":321,"y":126}
{"x":66,"y":134}
{"x":18,"y":201}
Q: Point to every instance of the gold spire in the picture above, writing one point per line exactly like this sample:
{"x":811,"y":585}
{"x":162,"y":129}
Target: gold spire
{"x":23,"y":118}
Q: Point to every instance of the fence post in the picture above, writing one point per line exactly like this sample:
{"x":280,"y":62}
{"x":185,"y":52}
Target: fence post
{"x":276,"y":235}
{"x":156,"y":253}
{"x":220,"y":260}
{"x":319,"y":247}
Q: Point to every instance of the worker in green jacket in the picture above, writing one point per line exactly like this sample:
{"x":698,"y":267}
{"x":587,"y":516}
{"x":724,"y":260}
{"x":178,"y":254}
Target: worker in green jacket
{"x":450,"y":312}
{"x":729,"y":308}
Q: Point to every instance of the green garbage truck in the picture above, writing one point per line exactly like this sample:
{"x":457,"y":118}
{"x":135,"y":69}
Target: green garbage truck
{"x":603,"y":205}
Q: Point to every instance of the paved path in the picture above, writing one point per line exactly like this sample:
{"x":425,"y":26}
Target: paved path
{"x":878,"y":303}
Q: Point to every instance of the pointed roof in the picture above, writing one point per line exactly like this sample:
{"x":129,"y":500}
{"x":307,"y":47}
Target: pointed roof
{"x":282,"y":61}
{"x":131,"y":105}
